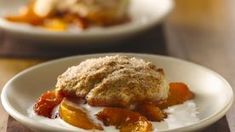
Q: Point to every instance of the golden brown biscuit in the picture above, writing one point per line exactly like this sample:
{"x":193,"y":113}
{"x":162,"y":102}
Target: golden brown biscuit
{"x":114,"y":81}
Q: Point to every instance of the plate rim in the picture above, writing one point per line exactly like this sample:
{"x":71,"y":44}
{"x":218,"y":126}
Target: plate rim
{"x":195,"y":126}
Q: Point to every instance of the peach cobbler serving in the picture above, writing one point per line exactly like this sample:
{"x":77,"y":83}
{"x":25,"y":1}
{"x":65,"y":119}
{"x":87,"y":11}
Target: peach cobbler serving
{"x":59,"y":15}
{"x":113,"y":91}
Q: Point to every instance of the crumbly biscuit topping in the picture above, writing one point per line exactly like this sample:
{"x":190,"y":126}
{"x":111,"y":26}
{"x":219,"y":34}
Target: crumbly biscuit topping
{"x":114,"y":81}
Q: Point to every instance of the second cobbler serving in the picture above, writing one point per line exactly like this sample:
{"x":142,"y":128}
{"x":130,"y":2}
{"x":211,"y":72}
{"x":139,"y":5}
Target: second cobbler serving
{"x":62,"y":15}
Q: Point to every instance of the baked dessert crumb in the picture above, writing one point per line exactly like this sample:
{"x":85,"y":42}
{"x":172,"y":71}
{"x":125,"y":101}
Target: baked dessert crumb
{"x":114,"y":81}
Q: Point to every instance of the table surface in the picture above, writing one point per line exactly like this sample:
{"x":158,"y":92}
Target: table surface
{"x":201,"y":31}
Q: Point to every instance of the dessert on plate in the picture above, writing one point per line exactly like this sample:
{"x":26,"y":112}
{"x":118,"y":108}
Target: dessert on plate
{"x":123,"y":92}
{"x":59,"y":15}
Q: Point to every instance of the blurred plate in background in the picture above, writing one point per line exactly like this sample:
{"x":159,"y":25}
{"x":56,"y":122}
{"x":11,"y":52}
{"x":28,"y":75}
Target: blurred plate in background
{"x":144,"y":14}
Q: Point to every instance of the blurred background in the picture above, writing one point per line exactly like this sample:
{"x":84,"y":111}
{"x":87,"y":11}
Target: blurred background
{"x":201,"y":31}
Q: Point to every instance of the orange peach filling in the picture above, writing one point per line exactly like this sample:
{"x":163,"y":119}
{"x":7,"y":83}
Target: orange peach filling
{"x":76,"y":116}
{"x":178,"y":94}
{"x":55,"y":20}
{"x":51,"y":21}
{"x":126,"y":120}
{"x":46,"y":103}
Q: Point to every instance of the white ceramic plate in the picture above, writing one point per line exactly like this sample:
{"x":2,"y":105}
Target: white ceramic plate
{"x":144,"y":14}
{"x":214,"y":95}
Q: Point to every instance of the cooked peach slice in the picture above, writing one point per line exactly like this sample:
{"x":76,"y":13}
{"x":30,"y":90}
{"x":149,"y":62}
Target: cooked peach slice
{"x":55,"y":24}
{"x":150,"y":111}
{"x":74,"y":115}
{"x":125,"y":120}
{"x":139,"y":126}
{"x":179,"y":93}
{"x":46,"y":103}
